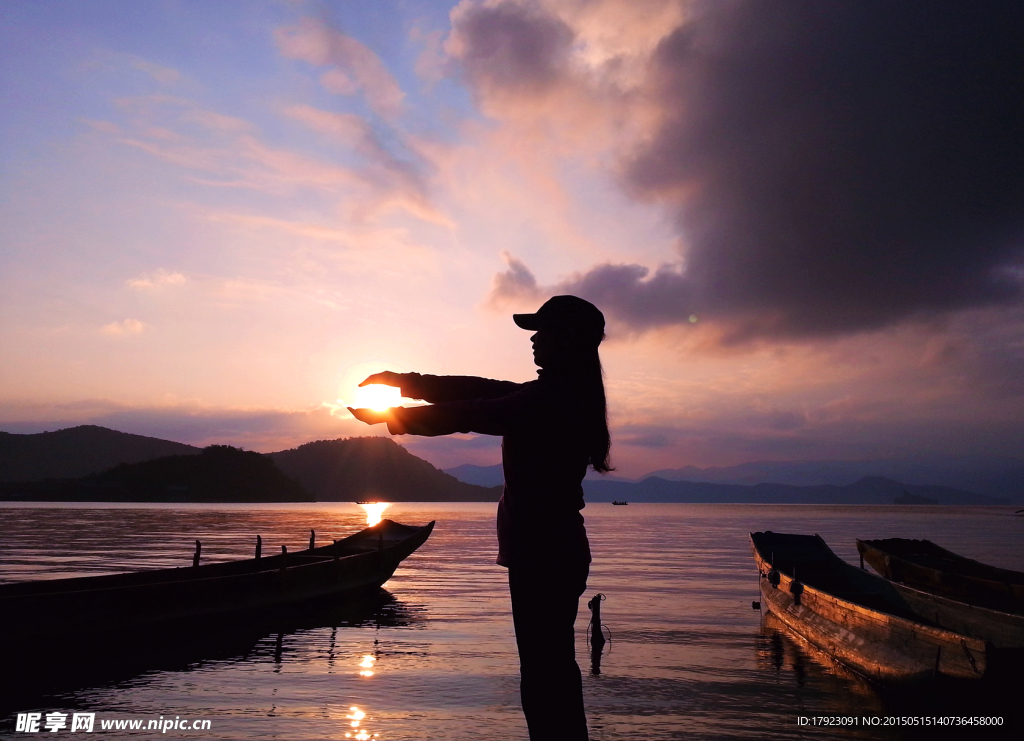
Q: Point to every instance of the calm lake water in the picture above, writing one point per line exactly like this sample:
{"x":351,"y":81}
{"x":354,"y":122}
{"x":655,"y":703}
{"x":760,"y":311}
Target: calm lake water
{"x":436,"y":659}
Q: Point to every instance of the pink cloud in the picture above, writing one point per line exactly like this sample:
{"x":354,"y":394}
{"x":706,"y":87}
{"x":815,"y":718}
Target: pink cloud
{"x":399,"y":183}
{"x":228,"y":152}
{"x":163,"y":75}
{"x":515,"y":286}
{"x":431,"y":63}
{"x":123,"y":328}
{"x":156,"y":279}
{"x":346,"y":128}
{"x":355,"y":67}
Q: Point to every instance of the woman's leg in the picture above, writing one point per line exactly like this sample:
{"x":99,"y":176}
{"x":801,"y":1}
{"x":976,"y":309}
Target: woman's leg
{"x":545,"y":600}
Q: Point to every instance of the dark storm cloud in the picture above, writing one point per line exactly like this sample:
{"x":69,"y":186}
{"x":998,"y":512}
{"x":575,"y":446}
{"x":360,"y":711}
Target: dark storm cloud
{"x":844,"y":164}
{"x":831,"y":167}
{"x":510,"y":48}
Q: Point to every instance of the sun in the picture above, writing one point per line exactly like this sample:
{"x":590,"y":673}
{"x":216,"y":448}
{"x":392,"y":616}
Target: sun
{"x":376,"y":396}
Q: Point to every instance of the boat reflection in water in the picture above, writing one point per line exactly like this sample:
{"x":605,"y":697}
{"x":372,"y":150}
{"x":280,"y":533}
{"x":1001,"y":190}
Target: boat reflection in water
{"x":285,"y":636}
{"x":782,"y":652}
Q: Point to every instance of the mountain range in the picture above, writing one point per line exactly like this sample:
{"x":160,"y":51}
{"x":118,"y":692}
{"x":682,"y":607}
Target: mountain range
{"x":90,"y":463}
{"x":218,"y":473}
{"x":78,"y":451}
{"x":992,"y":476}
{"x":993,"y":480}
{"x":868,"y":490}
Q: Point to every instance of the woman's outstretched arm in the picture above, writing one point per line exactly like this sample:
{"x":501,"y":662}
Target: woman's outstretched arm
{"x":528,"y":404}
{"x":437,"y":389}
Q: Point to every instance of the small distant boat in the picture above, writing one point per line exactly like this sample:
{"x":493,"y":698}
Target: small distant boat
{"x":237,"y":590}
{"x":620,"y":503}
{"x":858,"y":618}
{"x":923,"y":565}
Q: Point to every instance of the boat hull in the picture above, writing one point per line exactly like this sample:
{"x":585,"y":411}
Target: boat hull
{"x":139,"y":600}
{"x":885,"y":647}
{"x":1001,"y":630}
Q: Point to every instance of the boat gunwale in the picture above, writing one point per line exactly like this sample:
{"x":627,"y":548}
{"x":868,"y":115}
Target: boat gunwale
{"x":978,"y":570}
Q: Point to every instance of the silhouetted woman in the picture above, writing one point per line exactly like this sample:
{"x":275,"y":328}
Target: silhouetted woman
{"x":552,"y":429}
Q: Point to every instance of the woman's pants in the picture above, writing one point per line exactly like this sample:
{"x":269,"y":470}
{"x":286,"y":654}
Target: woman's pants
{"x":545,"y":600}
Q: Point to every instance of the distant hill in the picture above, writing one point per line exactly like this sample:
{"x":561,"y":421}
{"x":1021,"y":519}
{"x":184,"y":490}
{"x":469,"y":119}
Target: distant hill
{"x":218,"y":473}
{"x":478,"y":475}
{"x":495,"y":475}
{"x":77,"y":452}
{"x":992,"y":476}
{"x":868,"y":490}
{"x":368,"y":468}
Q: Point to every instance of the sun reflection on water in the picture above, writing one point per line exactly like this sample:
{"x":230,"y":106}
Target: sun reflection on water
{"x":374,"y":510}
{"x":367,"y":664}
{"x":355,"y":717}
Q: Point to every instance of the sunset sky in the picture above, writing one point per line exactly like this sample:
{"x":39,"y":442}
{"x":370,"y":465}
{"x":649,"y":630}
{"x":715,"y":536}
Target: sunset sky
{"x":804,"y":221}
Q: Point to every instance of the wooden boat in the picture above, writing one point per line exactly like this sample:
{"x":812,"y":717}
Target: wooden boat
{"x":932,"y":591}
{"x":923,"y":565}
{"x":102,"y":604}
{"x":856,"y":617}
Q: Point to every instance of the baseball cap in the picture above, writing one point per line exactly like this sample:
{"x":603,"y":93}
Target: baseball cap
{"x":565,"y":313}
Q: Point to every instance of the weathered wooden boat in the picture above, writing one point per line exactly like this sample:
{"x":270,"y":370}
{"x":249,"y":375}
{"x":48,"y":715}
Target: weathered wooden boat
{"x":856,"y":617}
{"x":976,"y":614}
{"x":923,"y":565}
{"x":237,"y":589}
